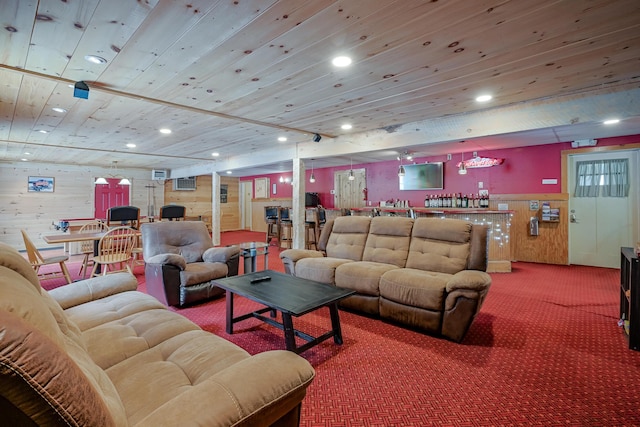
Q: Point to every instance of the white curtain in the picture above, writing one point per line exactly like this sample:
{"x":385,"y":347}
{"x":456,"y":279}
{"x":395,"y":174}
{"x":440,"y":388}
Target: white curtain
{"x":606,"y":178}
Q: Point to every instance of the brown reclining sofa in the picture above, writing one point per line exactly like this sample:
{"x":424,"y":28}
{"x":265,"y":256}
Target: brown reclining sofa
{"x":427,"y":273}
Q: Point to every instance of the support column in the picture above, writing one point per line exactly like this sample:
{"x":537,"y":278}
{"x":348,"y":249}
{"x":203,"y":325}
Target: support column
{"x":216,"y":211}
{"x":298,"y":203}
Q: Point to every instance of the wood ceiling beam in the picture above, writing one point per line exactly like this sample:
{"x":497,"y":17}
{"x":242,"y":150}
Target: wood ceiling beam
{"x":137,"y":97}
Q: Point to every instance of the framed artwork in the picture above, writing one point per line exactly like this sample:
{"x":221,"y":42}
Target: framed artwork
{"x":262,"y":188}
{"x":40,"y":184}
{"x":224,"y":191}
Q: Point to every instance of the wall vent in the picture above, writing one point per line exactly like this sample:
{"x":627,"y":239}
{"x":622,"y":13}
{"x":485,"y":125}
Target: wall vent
{"x":158,"y":174}
{"x":184,"y":184}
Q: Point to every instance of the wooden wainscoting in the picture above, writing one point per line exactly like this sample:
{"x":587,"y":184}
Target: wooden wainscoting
{"x":551,"y":246}
{"x":198,"y":201}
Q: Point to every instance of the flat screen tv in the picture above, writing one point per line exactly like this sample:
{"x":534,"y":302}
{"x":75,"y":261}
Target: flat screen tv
{"x":426,"y":176}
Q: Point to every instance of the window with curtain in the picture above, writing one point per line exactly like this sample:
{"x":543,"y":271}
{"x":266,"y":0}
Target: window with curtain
{"x":606,"y":178}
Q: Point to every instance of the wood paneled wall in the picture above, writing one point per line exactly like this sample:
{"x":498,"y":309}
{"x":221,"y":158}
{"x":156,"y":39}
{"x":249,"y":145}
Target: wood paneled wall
{"x":198,"y":202}
{"x":551,"y":246}
{"x":257,"y":211}
{"x":73,"y":197}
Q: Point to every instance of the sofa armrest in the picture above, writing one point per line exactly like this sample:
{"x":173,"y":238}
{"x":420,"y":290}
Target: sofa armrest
{"x":472,"y":280}
{"x":83,"y":291}
{"x":258,"y":390}
{"x":289,"y":258}
{"x":296,"y":255}
{"x":171,"y":259}
{"x":221,"y":254}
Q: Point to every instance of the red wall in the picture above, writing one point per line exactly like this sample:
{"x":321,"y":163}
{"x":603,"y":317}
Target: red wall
{"x":522,"y":172}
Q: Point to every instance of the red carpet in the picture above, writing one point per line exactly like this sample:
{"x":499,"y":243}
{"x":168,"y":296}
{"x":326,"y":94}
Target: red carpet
{"x":545,"y":350}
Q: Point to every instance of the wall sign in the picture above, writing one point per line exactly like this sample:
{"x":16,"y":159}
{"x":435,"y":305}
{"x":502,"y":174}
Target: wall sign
{"x":40,"y":184}
{"x":481,"y":162}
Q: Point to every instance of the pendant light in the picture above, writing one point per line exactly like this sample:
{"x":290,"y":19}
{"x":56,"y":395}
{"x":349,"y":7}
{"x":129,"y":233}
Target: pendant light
{"x":312,"y":178}
{"x":351,"y":176}
{"x":401,"y":168}
{"x":113,"y":173}
{"x":463,"y":169}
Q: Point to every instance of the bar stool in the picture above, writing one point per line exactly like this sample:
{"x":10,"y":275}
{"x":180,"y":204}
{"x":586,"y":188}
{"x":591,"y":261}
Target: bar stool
{"x":286,"y":228}
{"x":310,"y":235}
{"x":272,"y":218}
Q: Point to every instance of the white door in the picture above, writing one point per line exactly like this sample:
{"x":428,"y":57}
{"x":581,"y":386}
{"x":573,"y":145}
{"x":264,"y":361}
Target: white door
{"x":246,"y":194}
{"x":349,"y":193}
{"x":599,"y":226}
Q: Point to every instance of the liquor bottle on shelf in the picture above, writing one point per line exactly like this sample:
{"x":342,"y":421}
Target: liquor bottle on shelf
{"x":465,"y":201}
{"x":426,"y":201}
{"x":476,"y":203}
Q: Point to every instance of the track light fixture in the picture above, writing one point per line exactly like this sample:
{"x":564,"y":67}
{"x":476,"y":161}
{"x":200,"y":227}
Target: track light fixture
{"x":316,"y":137}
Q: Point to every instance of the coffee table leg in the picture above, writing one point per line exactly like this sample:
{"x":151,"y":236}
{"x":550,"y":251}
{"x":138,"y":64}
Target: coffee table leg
{"x":229,"y":301}
{"x":335,"y":323}
{"x":289,"y":332}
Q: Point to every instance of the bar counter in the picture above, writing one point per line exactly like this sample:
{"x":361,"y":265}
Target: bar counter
{"x":498,"y":221}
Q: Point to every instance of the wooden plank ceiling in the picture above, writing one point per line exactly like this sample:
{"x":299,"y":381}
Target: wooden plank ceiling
{"x":232,"y":76}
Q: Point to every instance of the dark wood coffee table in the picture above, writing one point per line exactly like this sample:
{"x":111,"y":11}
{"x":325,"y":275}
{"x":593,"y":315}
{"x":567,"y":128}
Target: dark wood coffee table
{"x":292,"y":296}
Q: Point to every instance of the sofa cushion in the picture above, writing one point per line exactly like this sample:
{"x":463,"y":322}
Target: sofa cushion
{"x":113,"y":307}
{"x":201,"y":272}
{"x":167,"y":370}
{"x":416,"y":288}
{"x":112,"y":342}
{"x":12,"y":259}
{"x":348,"y":237}
{"x":41,"y":352}
{"x":439,"y":245}
{"x":48,"y":385}
{"x":362,"y":276}
{"x":321,"y":270}
{"x":388,"y":240}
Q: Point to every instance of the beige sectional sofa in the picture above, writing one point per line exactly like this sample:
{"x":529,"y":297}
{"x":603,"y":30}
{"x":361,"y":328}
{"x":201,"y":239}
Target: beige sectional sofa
{"x":427,"y":273}
{"x":99,"y":353}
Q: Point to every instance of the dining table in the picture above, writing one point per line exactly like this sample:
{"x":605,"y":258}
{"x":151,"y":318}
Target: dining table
{"x":73,"y":237}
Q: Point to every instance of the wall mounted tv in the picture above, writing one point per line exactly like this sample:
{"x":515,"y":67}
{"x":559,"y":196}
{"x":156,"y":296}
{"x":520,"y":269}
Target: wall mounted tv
{"x":426,"y":176}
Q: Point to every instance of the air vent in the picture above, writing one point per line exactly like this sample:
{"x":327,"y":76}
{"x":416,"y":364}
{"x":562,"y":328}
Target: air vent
{"x":158,"y":174}
{"x":184,"y":184}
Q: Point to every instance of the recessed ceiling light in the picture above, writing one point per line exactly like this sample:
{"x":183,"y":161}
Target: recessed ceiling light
{"x":215,"y":154}
{"x":43,"y":131}
{"x":26,"y":153}
{"x":24,"y":160}
{"x":59,"y":110}
{"x":484,"y":98}
{"x":611,"y":121}
{"x":229,"y":172}
{"x":165,"y":131}
{"x":282,"y":138}
{"x":131,"y":145}
{"x":346,"y":126}
{"x":95,"y":59}
{"x":341,"y":61}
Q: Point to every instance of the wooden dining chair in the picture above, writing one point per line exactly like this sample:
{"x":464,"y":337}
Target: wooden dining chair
{"x":87,"y":247}
{"x":114,"y":251}
{"x":37,"y":260}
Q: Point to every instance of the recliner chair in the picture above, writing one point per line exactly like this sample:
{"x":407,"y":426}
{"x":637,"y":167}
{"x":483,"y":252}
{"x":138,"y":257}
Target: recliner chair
{"x":181,"y":262}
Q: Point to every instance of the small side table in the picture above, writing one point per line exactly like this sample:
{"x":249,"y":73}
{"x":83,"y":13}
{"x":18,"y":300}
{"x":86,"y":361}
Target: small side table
{"x":250,"y":252}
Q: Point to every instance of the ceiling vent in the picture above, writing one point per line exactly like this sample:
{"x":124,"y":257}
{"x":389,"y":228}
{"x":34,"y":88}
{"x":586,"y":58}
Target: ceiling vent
{"x":184,"y":184}
{"x":158,"y":174}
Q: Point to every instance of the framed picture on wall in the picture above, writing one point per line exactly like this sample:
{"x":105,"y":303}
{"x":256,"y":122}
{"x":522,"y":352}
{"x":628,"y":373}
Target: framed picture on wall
{"x":262,"y":188}
{"x":40,"y":184}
